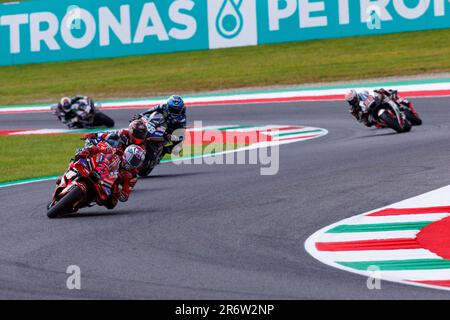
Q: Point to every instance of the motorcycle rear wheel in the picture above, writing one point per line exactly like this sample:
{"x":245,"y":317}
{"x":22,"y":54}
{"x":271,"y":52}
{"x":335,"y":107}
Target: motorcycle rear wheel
{"x":101,"y":119}
{"x":66,"y":204}
{"x":152,"y":159}
{"x":145,"y":172}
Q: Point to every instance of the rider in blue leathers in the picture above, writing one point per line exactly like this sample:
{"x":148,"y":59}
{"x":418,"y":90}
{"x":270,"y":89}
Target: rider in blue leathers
{"x":174,"y":112}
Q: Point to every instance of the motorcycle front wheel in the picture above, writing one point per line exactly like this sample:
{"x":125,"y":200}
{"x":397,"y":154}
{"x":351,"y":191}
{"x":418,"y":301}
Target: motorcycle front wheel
{"x":66,"y":204}
{"x":412,"y":118}
{"x":390,"y":122}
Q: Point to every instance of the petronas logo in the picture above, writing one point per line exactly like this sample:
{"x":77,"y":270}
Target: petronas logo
{"x":232,"y":23}
{"x":229,"y":21}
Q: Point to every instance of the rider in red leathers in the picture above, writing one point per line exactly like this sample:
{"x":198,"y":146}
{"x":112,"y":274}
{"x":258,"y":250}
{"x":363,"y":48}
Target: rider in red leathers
{"x":120,"y":139}
{"x":125,"y":144}
{"x":131,"y":159}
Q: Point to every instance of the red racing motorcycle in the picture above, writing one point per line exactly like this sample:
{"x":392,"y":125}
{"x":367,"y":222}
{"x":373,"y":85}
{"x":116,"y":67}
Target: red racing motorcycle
{"x":88,"y":181}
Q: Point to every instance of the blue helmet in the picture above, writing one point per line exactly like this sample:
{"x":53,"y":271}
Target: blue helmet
{"x":175,"y":104}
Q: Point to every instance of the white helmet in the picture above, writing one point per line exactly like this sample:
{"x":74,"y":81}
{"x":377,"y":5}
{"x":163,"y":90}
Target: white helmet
{"x":133,"y":157}
{"x":65,"y":103}
{"x":351,"y":97}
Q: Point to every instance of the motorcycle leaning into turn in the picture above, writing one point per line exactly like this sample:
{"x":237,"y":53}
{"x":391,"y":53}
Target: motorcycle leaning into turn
{"x":157,"y":143}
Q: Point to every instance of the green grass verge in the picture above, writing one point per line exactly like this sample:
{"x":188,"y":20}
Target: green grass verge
{"x":24,"y":157}
{"x":276,"y":64}
{"x":35,"y":156}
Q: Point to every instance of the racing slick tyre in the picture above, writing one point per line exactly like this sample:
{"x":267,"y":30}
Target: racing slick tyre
{"x":152,"y":158}
{"x":412,"y":118}
{"x":391,"y":123}
{"x":407,"y":127}
{"x":101,"y":119}
{"x":145,"y":172}
{"x":65,"y":205}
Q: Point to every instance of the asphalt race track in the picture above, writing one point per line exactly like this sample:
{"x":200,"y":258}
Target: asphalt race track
{"x":225,"y":231}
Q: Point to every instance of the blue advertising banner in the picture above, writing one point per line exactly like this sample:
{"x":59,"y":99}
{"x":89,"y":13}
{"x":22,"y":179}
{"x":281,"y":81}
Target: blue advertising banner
{"x":48,"y":30}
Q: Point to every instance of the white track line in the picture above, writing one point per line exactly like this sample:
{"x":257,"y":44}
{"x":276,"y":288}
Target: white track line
{"x":398,"y":219}
{"x":361,"y":236}
{"x":379,"y":255}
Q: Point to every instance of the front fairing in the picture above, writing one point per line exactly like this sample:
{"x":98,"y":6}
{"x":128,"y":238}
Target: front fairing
{"x":156,"y":132}
{"x":108,"y":166}
{"x":393,"y":109}
{"x":96,"y":176}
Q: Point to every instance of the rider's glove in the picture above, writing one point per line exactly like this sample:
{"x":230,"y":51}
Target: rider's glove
{"x":128,"y":181}
{"x":174,"y":138}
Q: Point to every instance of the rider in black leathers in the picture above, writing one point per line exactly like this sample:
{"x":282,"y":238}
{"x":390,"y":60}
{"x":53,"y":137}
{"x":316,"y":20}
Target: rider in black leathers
{"x":70,"y":108}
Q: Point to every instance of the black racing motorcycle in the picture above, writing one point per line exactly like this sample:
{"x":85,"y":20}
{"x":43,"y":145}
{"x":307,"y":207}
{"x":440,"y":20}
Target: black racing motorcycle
{"x":157,"y":143}
{"x":388,"y":114}
{"x":404,"y":105}
{"x":83,"y":116}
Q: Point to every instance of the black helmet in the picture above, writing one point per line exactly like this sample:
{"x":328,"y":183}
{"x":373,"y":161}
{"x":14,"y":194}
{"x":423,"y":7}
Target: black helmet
{"x":138,"y":130}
